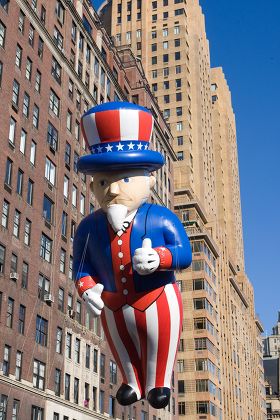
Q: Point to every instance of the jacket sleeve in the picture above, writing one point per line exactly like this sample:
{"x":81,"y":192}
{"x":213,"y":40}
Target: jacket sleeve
{"x":175,"y":254}
{"x":84,"y":273}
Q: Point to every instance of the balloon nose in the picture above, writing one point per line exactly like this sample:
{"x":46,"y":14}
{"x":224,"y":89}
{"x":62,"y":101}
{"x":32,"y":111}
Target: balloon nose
{"x":114,"y":188}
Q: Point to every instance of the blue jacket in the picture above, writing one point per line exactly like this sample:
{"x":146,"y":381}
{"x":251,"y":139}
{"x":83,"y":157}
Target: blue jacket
{"x":92,"y":251}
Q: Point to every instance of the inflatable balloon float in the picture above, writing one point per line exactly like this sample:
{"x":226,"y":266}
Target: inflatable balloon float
{"x":125,"y":253}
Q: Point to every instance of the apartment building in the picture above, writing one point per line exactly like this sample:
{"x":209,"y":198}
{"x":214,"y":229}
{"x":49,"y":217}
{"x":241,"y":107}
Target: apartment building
{"x":220,"y":349}
{"x":56,"y":61}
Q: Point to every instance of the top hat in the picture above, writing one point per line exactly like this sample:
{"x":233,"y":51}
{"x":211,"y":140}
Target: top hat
{"x":118,"y":135}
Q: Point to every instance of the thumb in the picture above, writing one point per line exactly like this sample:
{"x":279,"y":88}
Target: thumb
{"x":147,"y":243}
{"x":98,"y":288}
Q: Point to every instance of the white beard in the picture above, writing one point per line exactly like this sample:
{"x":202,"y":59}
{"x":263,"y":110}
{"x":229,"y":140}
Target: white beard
{"x":116,"y":215}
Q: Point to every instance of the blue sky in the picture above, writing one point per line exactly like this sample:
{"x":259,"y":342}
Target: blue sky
{"x":245,"y":40}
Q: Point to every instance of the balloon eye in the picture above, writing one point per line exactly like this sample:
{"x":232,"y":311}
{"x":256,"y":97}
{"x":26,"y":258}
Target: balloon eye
{"x":126,"y":180}
{"x":102,"y":182}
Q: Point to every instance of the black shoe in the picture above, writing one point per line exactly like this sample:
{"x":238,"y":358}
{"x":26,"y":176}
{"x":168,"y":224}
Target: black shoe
{"x":126,"y":395}
{"x":159,"y":397}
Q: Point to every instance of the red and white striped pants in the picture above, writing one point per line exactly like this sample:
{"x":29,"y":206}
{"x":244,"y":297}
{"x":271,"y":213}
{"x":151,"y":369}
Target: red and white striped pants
{"x":144,"y":344}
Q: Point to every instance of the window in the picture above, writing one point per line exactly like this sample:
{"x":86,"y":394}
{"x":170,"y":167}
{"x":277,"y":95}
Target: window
{"x":21,"y":20}
{"x":37,"y":413}
{"x":178,"y":12}
{"x":34,"y":5}
{"x":78,"y":311}
{"x":38,"y":78}
{"x":30,"y":189}
{"x":40,"y":47}
{"x":36,"y":112}
{"x":15,"y":96}
{"x":2,"y":258}
{"x":113,"y":372}
{"x":165,"y":15}
{"x":67,"y":387}
{"x":144,"y":415}
{"x":41,"y":331}
{"x":52,"y":137}
{"x":6,"y":360}
{"x":87,"y":361}
{"x":176,"y":30}
{"x":60,"y":302}
{"x":57,"y":382}
{"x":165,"y":58}
{"x":69,"y":121}
{"x":80,"y":69}
{"x":82,"y":204}
{"x":62,"y":260}
{"x":64,"y":224}
{"x":2,"y":34}
{"x":12,"y":131}
{"x":76,"y":390}
{"x":58,"y":38}
{"x":54,"y":103}
{"x":88,"y":54}
{"x":31,"y":36}
{"x":154,"y":60}
{"x":59,"y":11}
{"x":14,"y":260}
{"x":5,"y":214}
{"x":154,"y":87}
{"x":178,"y":69}
{"x":46,"y":248}
{"x":178,"y":96}
{"x":8,"y":173}
{"x":181,"y":408}
{"x":18,"y":365}
{"x":166,"y":113}
{"x":56,"y":70}
{"x":22,"y":141}
{"x":39,"y":370}
{"x":101,"y":401}
{"x":16,"y":225}
{"x":50,"y":171}
{"x":180,"y":140}
{"x":111,"y":406}
{"x":48,"y":207}
{"x":33,"y":152}
{"x":43,"y":286}
{"x":166,"y":71}
{"x":178,"y":83}
{"x":18,"y":56}
{"x":24,"y":278}
{"x":65,"y":186}
{"x":95,"y":360}
{"x":21,"y":319}
{"x":177,"y":55}
{"x":28,"y":70}
{"x":102,"y":365}
{"x":81,"y":42}
{"x":70,"y":273}
{"x":27,"y":232}
{"x":19,"y":182}
{"x":10,"y":313}
{"x":68,"y":345}
{"x":77,"y":350}
{"x":26,"y":104}
{"x":179,"y":111}
{"x":166,"y":99}
{"x":75,"y":162}
{"x":15,"y":412}
{"x":180,"y":155}
{"x":166,"y":84}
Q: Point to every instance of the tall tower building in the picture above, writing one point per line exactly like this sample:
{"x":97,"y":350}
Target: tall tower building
{"x":220,"y":372}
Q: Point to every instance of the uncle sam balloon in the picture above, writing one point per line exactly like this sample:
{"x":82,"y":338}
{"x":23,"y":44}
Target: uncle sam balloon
{"x":125,"y":253}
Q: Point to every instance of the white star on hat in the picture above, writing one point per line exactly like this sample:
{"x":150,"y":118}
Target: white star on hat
{"x":140,"y":146}
{"x":146,"y":147}
{"x":130,"y":146}
{"x":120,"y":147}
{"x":99,"y":149}
{"x":109,"y":148}
{"x":81,"y":283}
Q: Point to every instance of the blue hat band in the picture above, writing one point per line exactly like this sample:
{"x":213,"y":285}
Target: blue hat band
{"x":120,"y":146}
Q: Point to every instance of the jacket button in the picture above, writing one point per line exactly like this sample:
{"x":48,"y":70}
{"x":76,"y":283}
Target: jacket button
{"x":123,"y":280}
{"x":120,"y":254}
{"x":119,"y":242}
{"x":121,"y":267}
{"x":125,"y":292}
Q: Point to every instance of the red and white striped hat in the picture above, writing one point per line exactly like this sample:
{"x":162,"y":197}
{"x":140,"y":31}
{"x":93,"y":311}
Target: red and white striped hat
{"x":118,"y":135}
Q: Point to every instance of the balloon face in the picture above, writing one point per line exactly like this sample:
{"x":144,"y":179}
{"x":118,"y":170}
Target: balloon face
{"x":129,"y":188}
